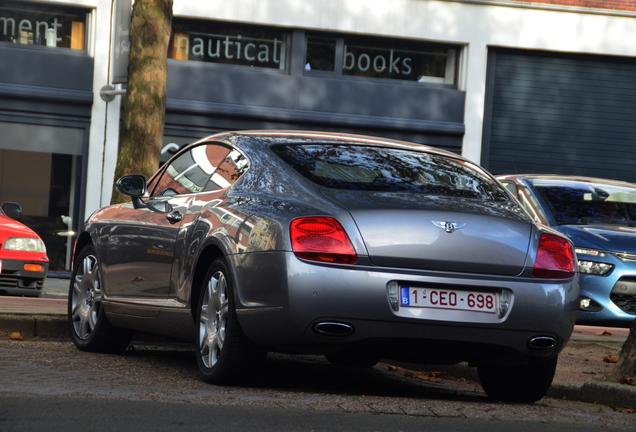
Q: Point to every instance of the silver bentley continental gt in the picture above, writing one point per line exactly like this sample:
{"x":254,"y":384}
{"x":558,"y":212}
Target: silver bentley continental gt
{"x":352,"y":247}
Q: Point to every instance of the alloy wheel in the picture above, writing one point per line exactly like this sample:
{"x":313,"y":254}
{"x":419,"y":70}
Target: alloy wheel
{"x":213,"y":319}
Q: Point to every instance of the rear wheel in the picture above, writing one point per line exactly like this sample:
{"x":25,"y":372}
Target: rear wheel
{"x":224,"y":354}
{"x":518,"y":383}
{"x":89,"y":326}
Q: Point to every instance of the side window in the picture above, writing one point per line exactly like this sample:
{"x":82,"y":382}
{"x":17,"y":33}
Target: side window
{"x":229,"y":171}
{"x":206,"y":167}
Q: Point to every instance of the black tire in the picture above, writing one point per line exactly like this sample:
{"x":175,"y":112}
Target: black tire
{"x":225,"y":356}
{"x":352,"y":360}
{"x":89,"y":326}
{"x":518,"y":383}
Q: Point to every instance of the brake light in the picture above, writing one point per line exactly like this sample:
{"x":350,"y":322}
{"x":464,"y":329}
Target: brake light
{"x":555,"y":258}
{"x":321,"y":239}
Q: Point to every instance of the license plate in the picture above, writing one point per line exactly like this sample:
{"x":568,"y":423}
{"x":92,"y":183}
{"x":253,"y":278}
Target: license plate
{"x":436,"y":298}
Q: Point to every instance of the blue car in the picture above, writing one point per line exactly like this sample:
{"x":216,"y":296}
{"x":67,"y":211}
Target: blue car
{"x":599,"y":216}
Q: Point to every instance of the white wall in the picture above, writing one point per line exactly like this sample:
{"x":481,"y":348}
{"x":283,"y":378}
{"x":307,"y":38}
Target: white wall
{"x":476,"y":26}
{"x":103,"y":139}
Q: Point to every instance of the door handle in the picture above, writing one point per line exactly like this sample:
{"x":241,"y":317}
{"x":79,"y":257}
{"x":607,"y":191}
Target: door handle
{"x":174,"y":217}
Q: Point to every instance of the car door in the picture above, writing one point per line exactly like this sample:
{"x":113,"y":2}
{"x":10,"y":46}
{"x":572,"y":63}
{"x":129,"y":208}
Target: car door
{"x":142,"y":245}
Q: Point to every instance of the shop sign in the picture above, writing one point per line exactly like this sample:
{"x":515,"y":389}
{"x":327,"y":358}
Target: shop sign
{"x":230,"y":45}
{"x":407,"y":60}
{"x":430,"y":64}
{"x":388,"y":62}
{"x":40,"y":24}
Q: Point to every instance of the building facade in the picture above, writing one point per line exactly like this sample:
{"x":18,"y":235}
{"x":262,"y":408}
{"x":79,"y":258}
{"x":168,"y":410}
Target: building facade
{"x":533,"y":86}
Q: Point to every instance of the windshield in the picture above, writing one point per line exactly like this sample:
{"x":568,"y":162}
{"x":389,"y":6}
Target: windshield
{"x":383,"y":169}
{"x":573,"y":203}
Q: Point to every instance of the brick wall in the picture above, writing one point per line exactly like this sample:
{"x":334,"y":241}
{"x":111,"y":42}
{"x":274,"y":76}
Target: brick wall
{"x":616,"y":5}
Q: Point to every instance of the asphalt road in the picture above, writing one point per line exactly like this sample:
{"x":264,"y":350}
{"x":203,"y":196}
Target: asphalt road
{"x":48,"y":385}
{"x":47,"y":414}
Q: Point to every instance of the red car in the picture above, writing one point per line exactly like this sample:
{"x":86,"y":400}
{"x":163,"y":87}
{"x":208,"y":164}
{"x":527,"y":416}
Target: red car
{"x":23,"y":260}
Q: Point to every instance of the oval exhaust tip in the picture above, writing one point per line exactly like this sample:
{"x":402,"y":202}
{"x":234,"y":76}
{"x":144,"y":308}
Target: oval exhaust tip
{"x":541,"y":342}
{"x":333,"y":329}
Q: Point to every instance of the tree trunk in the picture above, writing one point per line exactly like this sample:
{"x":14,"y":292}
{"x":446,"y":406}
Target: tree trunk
{"x":626,"y":365}
{"x":145,"y":106}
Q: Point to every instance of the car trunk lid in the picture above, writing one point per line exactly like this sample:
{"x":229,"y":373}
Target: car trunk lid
{"x":417,"y":231}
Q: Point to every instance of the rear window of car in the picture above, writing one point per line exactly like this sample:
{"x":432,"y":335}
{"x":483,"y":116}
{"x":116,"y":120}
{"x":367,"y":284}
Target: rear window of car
{"x":386,"y":169}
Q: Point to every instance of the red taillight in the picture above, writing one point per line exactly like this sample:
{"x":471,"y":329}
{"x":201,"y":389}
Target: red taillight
{"x":321,"y":239}
{"x":555,"y":258}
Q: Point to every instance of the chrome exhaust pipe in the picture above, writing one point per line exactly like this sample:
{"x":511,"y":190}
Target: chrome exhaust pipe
{"x":331,"y":328}
{"x":541,"y":342}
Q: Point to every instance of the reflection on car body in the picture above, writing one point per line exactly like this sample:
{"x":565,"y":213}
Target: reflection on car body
{"x":599,"y":216}
{"x":331,"y":244}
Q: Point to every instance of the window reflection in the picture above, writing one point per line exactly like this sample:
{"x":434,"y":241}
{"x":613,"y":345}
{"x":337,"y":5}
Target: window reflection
{"x":384,"y":169}
{"x":202,"y":168}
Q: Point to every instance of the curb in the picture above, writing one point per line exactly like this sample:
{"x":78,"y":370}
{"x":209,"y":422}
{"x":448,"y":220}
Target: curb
{"x":35,"y":325}
{"x":605,"y":393}
{"x":614,"y":395}
{"x":602,"y":392}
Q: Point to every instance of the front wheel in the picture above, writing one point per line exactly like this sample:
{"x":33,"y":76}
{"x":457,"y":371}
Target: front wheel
{"x":89,"y":326}
{"x":518,"y":383}
{"x":225,"y":356}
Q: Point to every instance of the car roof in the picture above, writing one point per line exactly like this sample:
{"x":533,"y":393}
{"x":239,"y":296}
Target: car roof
{"x":265,"y":138}
{"x":564,"y":178}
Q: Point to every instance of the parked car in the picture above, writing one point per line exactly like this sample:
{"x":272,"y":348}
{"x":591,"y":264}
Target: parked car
{"x":23,"y":260}
{"x":352,"y":247}
{"x":599,"y":216}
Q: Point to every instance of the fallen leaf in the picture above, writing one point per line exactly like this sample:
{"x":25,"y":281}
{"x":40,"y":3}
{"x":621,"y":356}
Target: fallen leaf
{"x":393,"y":368}
{"x":16,"y":336}
{"x":627,"y":380}
{"x":409,"y":373}
{"x":436,"y":374}
{"x":625,"y":410}
{"x":609,"y":359}
{"x":603,"y":333}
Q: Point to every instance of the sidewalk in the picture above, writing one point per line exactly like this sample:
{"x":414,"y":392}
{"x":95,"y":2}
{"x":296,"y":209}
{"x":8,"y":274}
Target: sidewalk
{"x":579,"y":375}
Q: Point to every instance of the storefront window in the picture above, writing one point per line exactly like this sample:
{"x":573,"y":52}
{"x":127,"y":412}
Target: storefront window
{"x":43,"y":24}
{"x":49,"y":200}
{"x":321,"y":54}
{"x":384,"y":58}
{"x":215,"y":42}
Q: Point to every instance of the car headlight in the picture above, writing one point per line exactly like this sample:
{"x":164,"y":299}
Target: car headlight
{"x":590,"y":252}
{"x":25,"y":244}
{"x":594,"y":268}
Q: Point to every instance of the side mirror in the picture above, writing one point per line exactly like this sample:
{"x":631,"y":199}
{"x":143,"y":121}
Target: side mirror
{"x":134,"y":186}
{"x":13,"y":210}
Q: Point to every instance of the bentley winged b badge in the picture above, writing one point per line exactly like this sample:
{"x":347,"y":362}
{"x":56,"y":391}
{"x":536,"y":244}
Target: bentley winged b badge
{"x":449,"y":227}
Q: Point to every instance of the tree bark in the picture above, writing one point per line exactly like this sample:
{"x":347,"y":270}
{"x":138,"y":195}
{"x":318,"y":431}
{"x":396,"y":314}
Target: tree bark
{"x":626,"y":365}
{"x":145,"y":106}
